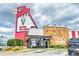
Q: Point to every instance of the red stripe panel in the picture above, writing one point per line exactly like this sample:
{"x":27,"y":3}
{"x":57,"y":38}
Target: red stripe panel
{"x":73,"y":34}
{"x":21,"y":35}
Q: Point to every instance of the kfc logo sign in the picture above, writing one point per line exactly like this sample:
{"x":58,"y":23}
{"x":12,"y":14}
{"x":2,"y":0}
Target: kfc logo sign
{"x":24,"y":19}
{"x":22,"y":23}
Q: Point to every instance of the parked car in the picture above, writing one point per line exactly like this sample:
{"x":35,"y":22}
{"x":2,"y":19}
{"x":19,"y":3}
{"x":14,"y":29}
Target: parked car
{"x":73,"y":46}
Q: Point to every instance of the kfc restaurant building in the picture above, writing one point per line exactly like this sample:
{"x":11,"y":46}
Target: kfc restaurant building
{"x":26,"y":27}
{"x":26,"y":30}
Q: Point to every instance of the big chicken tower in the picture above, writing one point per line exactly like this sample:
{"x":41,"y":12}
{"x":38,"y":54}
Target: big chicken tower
{"x":24,"y":22}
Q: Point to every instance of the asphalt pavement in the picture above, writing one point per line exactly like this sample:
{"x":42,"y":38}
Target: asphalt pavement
{"x":37,"y":52}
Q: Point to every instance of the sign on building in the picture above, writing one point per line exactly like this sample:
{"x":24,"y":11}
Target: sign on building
{"x":24,"y":21}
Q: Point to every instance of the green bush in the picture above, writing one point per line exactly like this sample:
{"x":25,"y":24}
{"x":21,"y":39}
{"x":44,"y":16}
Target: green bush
{"x":19,"y":43}
{"x":58,"y":46}
{"x":0,"y":49}
{"x":11,"y":42}
{"x":15,"y":42}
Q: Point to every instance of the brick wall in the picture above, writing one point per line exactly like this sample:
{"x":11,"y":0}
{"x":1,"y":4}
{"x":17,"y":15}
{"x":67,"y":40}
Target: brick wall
{"x":59,"y":34}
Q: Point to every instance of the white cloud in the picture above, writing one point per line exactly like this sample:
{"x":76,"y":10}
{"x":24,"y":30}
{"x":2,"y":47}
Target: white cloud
{"x":68,"y":10}
{"x":57,"y":13}
{"x":4,"y":32}
{"x":74,"y":20}
{"x":8,"y":36}
{"x":5,"y":29}
{"x":62,"y":10}
{"x":37,"y":15}
{"x":43,"y":17}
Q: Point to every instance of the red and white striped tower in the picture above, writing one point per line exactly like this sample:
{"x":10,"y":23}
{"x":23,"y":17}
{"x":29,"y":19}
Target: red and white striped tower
{"x":24,"y":21}
{"x":74,"y":34}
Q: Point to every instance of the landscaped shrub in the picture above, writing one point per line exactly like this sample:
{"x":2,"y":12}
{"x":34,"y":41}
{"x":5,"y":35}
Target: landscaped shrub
{"x":58,"y":46}
{"x":15,"y":42}
{"x":19,"y":43}
{"x":11,"y":42}
{"x":0,"y":49}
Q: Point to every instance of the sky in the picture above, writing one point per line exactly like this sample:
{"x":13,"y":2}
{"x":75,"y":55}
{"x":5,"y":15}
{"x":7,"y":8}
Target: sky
{"x":43,"y":14}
